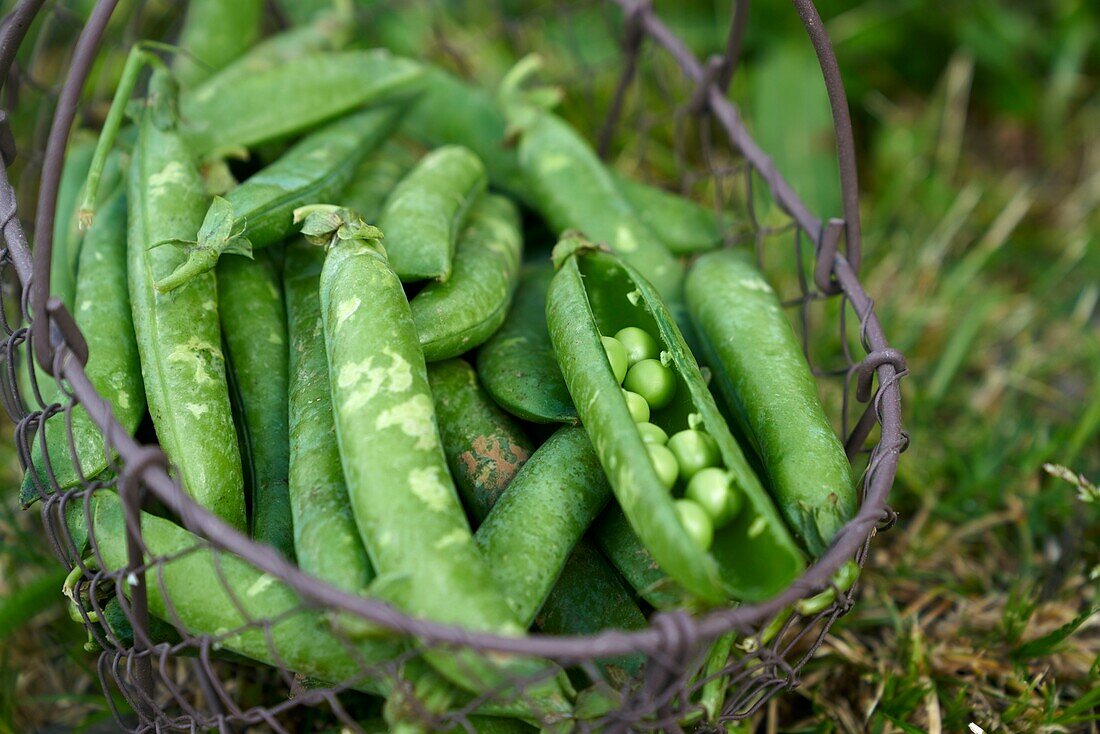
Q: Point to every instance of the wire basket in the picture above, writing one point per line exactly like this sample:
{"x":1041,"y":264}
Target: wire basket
{"x":175,"y":679}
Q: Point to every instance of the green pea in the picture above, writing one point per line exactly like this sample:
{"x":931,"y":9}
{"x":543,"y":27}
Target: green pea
{"x":652,"y":433}
{"x":694,"y":450}
{"x":637,"y":405}
{"x":617,"y":356}
{"x":639,"y":344}
{"x":712,"y":490}
{"x":653,"y":381}
{"x":664,"y":463}
{"x":696,"y":522}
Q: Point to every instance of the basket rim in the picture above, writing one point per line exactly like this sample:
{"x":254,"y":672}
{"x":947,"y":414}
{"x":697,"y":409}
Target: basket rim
{"x":145,"y":465}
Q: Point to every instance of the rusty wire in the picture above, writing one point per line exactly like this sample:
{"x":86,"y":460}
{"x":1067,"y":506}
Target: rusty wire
{"x":188,"y":683}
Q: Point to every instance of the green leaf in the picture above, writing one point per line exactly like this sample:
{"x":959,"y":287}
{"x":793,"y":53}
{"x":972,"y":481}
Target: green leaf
{"x":1049,"y":643}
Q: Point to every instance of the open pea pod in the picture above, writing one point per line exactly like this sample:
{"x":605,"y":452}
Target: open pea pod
{"x":595,"y":293}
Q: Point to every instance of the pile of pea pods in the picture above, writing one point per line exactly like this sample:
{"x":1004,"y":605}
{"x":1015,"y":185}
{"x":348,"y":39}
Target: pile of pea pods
{"x":418,"y":337}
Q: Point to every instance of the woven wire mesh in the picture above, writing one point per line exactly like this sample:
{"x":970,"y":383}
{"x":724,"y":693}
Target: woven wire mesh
{"x":668,"y":120}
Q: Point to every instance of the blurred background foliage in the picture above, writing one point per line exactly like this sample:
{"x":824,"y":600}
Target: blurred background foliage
{"x":976,"y":123}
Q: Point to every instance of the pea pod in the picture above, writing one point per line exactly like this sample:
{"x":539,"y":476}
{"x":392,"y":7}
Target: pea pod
{"x":517,"y":365}
{"x":214,"y":34}
{"x":326,"y":540}
{"x":531,"y":530}
{"x":460,"y":314}
{"x":573,"y":189}
{"x":402,"y":497}
{"x":310,"y":90}
{"x":374,"y":179}
{"x":253,"y":319}
{"x":635,"y":562}
{"x":66,"y":251}
{"x":260,"y":212}
{"x":423,"y":215}
{"x":485,"y":450}
{"x":178,"y":336}
{"x":593,"y":293}
{"x":760,"y":372}
{"x":684,"y":226}
{"x":103,"y":315}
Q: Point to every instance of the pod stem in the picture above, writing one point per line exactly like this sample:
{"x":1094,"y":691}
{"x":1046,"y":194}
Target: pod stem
{"x":327,"y":225}
{"x":141,"y":56}
{"x":221,"y":231}
{"x":522,"y":101}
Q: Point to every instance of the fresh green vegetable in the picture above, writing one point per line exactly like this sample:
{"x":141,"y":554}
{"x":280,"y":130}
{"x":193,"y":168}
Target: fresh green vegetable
{"x":636,"y":405}
{"x":712,"y":490}
{"x":594,"y":293}
{"x":635,"y":562}
{"x":694,"y":450}
{"x":424,"y":214}
{"x":66,"y":236}
{"x":460,"y":314}
{"x":260,"y":212}
{"x":178,"y":336}
{"x":653,"y":381}
{"x":684,"y":226}
{"x":104,"y":317}
{"x":309,"y":90}
{"x":664,"y":464}
{"x":532,"y":529}
{"x":638,"y":345}
{"x":404,"y":502}
{"x":759,"y":370}
{"x":573,"y":189}
{"x":215,"y":33}
{"x":517,"y":365}
{"x":375,"y":178}
{"x":652,"y":434}
{"x":326,"y":540}
{"x":616,"y":356}
{"x":253,"y":318}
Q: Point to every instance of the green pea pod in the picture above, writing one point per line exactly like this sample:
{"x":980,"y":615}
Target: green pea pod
{"x":104,"y":317}
{"x":424,"y":214}
{"x":635,"y":562}
{"x":531,"y":530}
{"x":299,"y":12}
{"x":402,"y":497}
{"x":374,"y":179}
{"x":759,"y":370}
{"x":460,"y":314}
{"x":588,"y":598}
{"x":253,"y":319}
{"x":214,"y":593}
{"x":485,"y":450}
{"x":309,"y":89}
{"x":593,"y":293}
{"x":260,"y":212}
{"x":572,"y":188}
{"x":684,"y":226}
{"x":326,"y":540}
{"x":451,"y":111}
{"x":178,"y":335}
{"x":66,"y":236}
{"x":215,"y":33}
{"x":517,"y":365}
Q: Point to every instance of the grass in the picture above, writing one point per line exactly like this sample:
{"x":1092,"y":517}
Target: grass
{"x":980,"y":169}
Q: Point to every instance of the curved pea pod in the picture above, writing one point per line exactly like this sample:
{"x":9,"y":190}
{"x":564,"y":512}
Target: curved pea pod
{"x":684,"y":226}
{"x":483,"y":445}
{"x":211,"y":595}
{"x":517,"y":365}
{"x":595,"y":292}
{"x":573,"y":190}
{"x":309,"y":90}
{"x":103,"y":315}
{"x":377,"y":175}
{"x":260,"y":212}
{"x":402,"y":496}
{"x":215,"y":33}
{"x":451,"y":111}
{"x":66,"y":236}
{"x":533,"y":527}
{"x":178,"y":335}
{"x":760,"y":371}
{"x":460,"y":314}
{"x":424,"y":214}
{"x":485,"y":450}
{"x":326,"y":540}
{"x":253,"y":318}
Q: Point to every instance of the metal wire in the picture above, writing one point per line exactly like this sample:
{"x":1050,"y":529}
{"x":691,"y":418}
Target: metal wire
{"x":188,"y":684}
